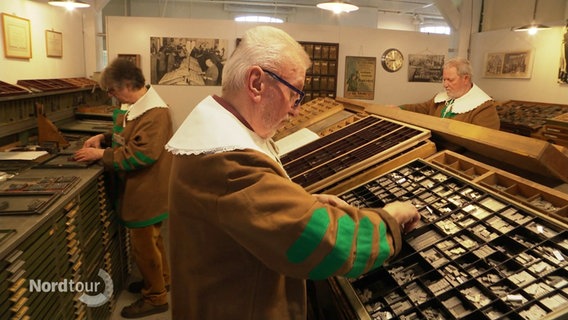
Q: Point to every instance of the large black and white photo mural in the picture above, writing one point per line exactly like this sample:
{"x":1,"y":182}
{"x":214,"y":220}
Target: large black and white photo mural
{"x":187,"y":61}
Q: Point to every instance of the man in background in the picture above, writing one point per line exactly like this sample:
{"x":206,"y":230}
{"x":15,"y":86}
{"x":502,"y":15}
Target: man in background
{"x":462,"y":100}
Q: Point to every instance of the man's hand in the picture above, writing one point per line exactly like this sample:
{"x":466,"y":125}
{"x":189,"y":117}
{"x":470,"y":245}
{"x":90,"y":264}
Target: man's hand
{"x":405,"y":213}
{"x":88,"y":154}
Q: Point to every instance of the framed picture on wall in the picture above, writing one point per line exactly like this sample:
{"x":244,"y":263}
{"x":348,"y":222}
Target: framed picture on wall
{"x":508,"y":65}
{"x":425,"y":67}
{"x":54,"y":43}
{"x":17,"y":37}
{"x":360,"y":78}
{"x":563,"y":69}
{"x":134,"y":58}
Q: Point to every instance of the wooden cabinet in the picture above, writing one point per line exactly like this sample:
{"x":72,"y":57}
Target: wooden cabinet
{"x":321,"y":78}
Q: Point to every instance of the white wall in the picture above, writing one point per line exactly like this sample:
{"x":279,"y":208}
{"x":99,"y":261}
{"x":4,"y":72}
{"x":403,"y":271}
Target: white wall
{"x":131,"y":35}
{"x":543,"y":85}
{"x":44,"y":17}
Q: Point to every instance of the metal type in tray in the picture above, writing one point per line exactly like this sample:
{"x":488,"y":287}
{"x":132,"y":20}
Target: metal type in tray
{"x":475,"y":255}
{"x":63,"y":161}
{"x":26,"y":203}
{"x":353,"y":147}
{"x":43,"y":184}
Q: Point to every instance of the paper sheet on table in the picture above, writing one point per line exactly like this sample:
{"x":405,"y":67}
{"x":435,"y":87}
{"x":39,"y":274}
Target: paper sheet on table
{"x":296,"y":140}
{"x":21,"y":155}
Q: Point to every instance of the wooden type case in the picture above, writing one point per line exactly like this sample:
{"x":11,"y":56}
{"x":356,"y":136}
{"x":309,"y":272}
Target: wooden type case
{"x":475,"y":255}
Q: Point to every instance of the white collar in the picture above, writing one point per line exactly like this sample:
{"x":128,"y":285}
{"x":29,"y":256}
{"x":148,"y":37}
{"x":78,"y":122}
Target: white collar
{"x":469,"y":101}
{"x":150,"y":100}
{"x":210,"y":128}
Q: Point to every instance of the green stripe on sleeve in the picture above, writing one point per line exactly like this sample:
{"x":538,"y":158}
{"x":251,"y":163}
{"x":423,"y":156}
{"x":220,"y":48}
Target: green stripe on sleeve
{"x":126,"y":165}
{"x":340,"y":252}
{"x":144,"y":158}
{"x":364,"y":247}
{"x":384,"y":247}
{"x":310,"y":238}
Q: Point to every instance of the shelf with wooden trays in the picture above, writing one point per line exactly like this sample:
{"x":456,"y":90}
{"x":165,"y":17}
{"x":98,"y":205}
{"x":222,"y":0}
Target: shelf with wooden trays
{"x":527,"y":118}
{"x":321,"y":77}
{"x":310,"y":113}
{"x":41,"y":85}
{"x":345,"y":152}
{"x":81,"y":82}
{"x":7,"y":89}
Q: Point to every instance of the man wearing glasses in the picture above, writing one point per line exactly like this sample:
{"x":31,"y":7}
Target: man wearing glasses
{"x":244,"y":238}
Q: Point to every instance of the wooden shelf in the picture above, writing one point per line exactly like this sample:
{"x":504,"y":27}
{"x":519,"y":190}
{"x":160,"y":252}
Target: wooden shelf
{"x":321,"y":77}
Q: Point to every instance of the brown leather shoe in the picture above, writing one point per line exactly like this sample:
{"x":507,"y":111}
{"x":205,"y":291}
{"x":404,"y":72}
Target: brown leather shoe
{"x":141,"y":308}
{"x":136,"y":287}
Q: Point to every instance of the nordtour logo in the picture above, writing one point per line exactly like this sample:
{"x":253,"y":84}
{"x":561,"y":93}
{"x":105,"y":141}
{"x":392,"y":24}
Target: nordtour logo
{"x":87,"y":288}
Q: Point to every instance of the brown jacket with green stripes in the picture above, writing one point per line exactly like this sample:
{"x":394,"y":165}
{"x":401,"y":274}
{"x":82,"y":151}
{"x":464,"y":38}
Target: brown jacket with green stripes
{"x":140,"y":166}
{"x":244,"y":238}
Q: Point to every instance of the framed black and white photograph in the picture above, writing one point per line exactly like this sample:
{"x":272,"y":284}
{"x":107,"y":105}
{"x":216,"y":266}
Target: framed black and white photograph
{"x":187,"y":61}
{"x":508,"y":65}
{"x":425,"y":67}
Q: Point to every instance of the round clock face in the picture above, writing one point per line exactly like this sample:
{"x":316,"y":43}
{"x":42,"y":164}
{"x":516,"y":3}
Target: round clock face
{"x":392,"y":60}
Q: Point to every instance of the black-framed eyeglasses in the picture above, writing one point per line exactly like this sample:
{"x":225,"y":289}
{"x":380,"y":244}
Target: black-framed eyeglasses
{"x":301,"y":94}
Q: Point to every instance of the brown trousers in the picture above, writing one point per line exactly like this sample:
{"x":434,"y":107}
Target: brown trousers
{"x":150,"y":257}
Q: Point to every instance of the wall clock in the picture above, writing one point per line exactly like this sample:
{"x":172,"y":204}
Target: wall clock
{"x":392,"y":60}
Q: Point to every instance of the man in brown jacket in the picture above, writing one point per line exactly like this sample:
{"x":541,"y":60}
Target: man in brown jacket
{"x":244,"y":238}
{"x":134,"y":153}
{"x":461,"y":99}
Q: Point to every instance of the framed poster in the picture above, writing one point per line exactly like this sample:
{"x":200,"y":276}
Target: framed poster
{"x":135,"y":58}
{"x":508,"y":65}
{"x":360,"y":78}
{"x":17,"y":37}
{"x":425,"y":67}
{"x":54,"y":43}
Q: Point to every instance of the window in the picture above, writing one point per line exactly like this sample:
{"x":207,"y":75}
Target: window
{"x":435,"y":29}
{"x":258,"y":19}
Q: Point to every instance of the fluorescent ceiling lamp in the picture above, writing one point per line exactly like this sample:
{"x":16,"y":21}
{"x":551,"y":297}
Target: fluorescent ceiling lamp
{"x":337,"y":6}
{"x":69,"y":4}
{"x":533,"y":27}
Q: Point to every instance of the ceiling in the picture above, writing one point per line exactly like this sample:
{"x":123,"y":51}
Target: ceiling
{"x":425,"y":8}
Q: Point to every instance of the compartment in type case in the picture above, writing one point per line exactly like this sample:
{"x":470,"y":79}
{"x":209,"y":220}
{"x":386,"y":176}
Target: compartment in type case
{"x":456,"y":304}
{"x":424,"y":237}
{"x":373,"y":285}
{"x":459,"y":165}
{"x":477,"y":294}
{"x":408,"y":269}
{"x":550,"y":251}
{"x":543,"y":228}
{"x":537,"y":198}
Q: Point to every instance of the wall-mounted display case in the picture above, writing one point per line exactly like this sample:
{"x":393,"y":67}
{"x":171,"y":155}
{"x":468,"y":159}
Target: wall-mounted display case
{"x":321,"y":77}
